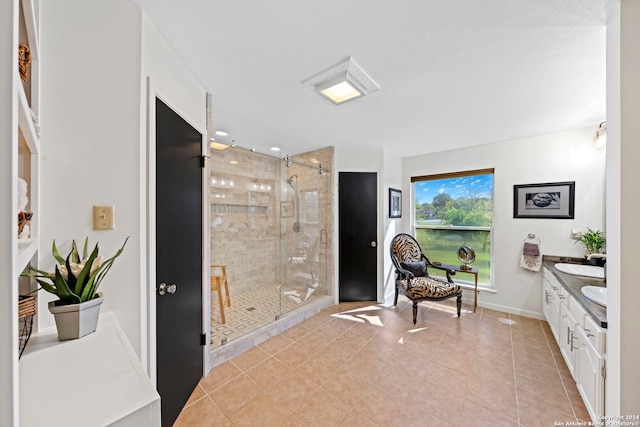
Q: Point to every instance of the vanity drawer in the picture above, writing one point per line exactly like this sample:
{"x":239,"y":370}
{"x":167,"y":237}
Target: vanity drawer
{"x":595,"y":334}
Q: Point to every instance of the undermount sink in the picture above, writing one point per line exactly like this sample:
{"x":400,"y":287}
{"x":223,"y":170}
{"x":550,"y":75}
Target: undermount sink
{"x":581,"y":270}
{"x":597,"y":294}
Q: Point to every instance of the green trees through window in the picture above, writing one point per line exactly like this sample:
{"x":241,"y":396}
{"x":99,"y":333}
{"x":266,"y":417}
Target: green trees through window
{"x":452,"y":210}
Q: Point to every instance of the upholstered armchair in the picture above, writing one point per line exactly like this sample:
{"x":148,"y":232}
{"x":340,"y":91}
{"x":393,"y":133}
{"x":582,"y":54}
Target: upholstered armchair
{"x":412,"y":275}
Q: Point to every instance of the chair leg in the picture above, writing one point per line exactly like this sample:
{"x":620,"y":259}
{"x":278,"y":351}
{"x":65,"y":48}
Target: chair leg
{"x":395,"y":300}
{"x":415,"y":311}
{"x":459,"y":303}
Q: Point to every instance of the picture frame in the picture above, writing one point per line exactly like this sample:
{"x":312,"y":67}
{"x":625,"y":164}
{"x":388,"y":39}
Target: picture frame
{"x":286,"y":209}
{"x":553,"y":200}
{"x":395,"y":203}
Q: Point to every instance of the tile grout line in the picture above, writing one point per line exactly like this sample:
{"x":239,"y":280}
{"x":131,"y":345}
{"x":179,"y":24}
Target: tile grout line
{"x":515,"y":377}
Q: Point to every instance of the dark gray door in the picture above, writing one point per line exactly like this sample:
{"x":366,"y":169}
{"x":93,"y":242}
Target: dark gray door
{"x":358,"y":216}
{"x":178,"y":260}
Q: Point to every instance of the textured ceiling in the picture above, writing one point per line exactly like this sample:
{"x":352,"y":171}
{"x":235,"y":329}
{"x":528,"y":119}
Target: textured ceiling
{"x":453,"y":73}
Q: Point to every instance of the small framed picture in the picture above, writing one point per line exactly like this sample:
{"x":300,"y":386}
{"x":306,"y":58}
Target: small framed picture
{"x":551,"y":200}
{"x":395,"y":203}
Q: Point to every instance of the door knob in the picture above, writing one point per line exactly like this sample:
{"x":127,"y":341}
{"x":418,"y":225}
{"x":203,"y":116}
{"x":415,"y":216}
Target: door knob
{"x":163,"y":288}
{"x":374,"y":244}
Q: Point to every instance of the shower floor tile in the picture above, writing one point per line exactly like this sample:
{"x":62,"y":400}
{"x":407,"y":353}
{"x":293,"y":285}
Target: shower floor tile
{"x":253,"y":309}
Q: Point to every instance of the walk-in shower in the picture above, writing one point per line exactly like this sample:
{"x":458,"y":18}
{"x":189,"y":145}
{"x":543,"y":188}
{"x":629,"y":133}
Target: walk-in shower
{"x":270,"y":226}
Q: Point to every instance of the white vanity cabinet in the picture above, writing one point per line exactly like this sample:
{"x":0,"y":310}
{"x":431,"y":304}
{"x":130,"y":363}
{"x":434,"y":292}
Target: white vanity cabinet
{"x":567,"y":336}
{"x":581,"y":339}
{"x":590,"y":371}
{"x":551,"y":302}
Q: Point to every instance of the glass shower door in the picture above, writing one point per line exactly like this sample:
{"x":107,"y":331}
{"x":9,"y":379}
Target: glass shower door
{"x":303,"y":236}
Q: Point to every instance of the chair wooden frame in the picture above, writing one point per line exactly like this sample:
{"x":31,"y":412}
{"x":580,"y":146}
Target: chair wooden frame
{"x":405,"y":248}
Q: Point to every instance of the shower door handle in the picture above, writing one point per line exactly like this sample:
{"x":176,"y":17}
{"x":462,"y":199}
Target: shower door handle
{"x":374,"y":244}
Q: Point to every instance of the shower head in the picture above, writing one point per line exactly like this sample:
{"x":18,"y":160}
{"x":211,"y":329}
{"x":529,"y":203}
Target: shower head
{"x":290,"y":180}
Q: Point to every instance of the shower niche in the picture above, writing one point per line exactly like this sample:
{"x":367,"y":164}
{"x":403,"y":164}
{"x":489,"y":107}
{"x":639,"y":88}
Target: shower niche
{"x":270,"y":226}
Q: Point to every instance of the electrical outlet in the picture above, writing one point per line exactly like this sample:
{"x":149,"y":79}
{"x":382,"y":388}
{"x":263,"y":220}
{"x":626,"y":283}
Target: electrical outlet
{"x":103,"y":218}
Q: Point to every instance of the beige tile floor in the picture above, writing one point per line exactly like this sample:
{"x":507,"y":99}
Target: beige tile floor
{"x":362,"y":364}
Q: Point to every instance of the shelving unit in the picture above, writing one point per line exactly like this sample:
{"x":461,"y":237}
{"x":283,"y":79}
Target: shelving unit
{"x":20,"y":153}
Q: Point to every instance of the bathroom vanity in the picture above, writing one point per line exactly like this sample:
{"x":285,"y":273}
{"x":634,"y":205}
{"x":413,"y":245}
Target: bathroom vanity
{"x":579,"y":326}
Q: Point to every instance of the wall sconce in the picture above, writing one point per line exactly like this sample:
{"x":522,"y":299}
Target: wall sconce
{"x":601,"y":135}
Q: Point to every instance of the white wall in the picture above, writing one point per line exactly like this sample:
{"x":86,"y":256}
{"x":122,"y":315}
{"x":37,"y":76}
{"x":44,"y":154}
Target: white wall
{"x":392,"y":178}
{"x":567,"y":156}
{"x":623,"y":105}
{"x":90,"y":141}
{"x":96,"y":59}
{"x":9,"y":409}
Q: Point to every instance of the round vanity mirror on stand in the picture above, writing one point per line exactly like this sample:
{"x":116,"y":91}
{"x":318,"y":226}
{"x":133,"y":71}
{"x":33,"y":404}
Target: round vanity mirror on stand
{"x":466,"y":255}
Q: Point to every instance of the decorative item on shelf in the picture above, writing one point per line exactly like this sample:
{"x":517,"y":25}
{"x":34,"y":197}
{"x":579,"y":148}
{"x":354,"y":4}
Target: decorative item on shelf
{"x":23,"y":216}
{"x":23,"y":227}
{"x":75,"y":282}
{"x":466,"y":255}
{"x":594,"y":242}
{"x":26,"y":311}
{"x":24,"y":60}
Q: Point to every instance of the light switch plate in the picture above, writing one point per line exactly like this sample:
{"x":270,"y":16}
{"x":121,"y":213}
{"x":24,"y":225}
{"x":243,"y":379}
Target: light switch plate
{"x":103,"y":218}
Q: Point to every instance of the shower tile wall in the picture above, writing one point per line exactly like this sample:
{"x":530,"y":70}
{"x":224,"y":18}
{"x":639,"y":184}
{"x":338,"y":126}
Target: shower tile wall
{"x":244,"y":221}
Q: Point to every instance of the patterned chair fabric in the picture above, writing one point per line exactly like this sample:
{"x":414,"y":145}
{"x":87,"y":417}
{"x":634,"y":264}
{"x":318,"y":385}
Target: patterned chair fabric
{"x":405,"y":249}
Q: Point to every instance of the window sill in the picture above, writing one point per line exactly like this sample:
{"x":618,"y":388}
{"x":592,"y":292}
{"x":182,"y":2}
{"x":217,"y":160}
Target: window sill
{"x":471,"y":287}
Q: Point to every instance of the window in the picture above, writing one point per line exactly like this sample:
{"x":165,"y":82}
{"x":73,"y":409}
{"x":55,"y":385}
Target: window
{"x":453,"y":210}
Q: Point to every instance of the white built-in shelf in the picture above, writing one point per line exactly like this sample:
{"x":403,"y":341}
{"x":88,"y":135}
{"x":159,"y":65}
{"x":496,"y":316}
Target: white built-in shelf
{"x":25,"y":122}
{"x":31,"y":27}
{"x":96,"y":380}
{"x":26,"y":251}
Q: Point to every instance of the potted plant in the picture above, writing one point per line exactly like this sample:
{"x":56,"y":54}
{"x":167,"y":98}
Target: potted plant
{"x":75,"y":282}
{"x":593,"y":241}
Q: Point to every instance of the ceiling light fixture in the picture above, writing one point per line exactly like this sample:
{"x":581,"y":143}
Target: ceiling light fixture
{"x":221,"y":133}
{"x":275,"y":148}
{"x":342,"y":82}
{"x":218,"y":145}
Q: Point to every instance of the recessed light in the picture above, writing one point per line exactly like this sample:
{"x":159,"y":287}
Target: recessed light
{"x":233,"y":162}
{"x":221,"y":133}
{"x":218,"y":145}
{"x":275,"y":148}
